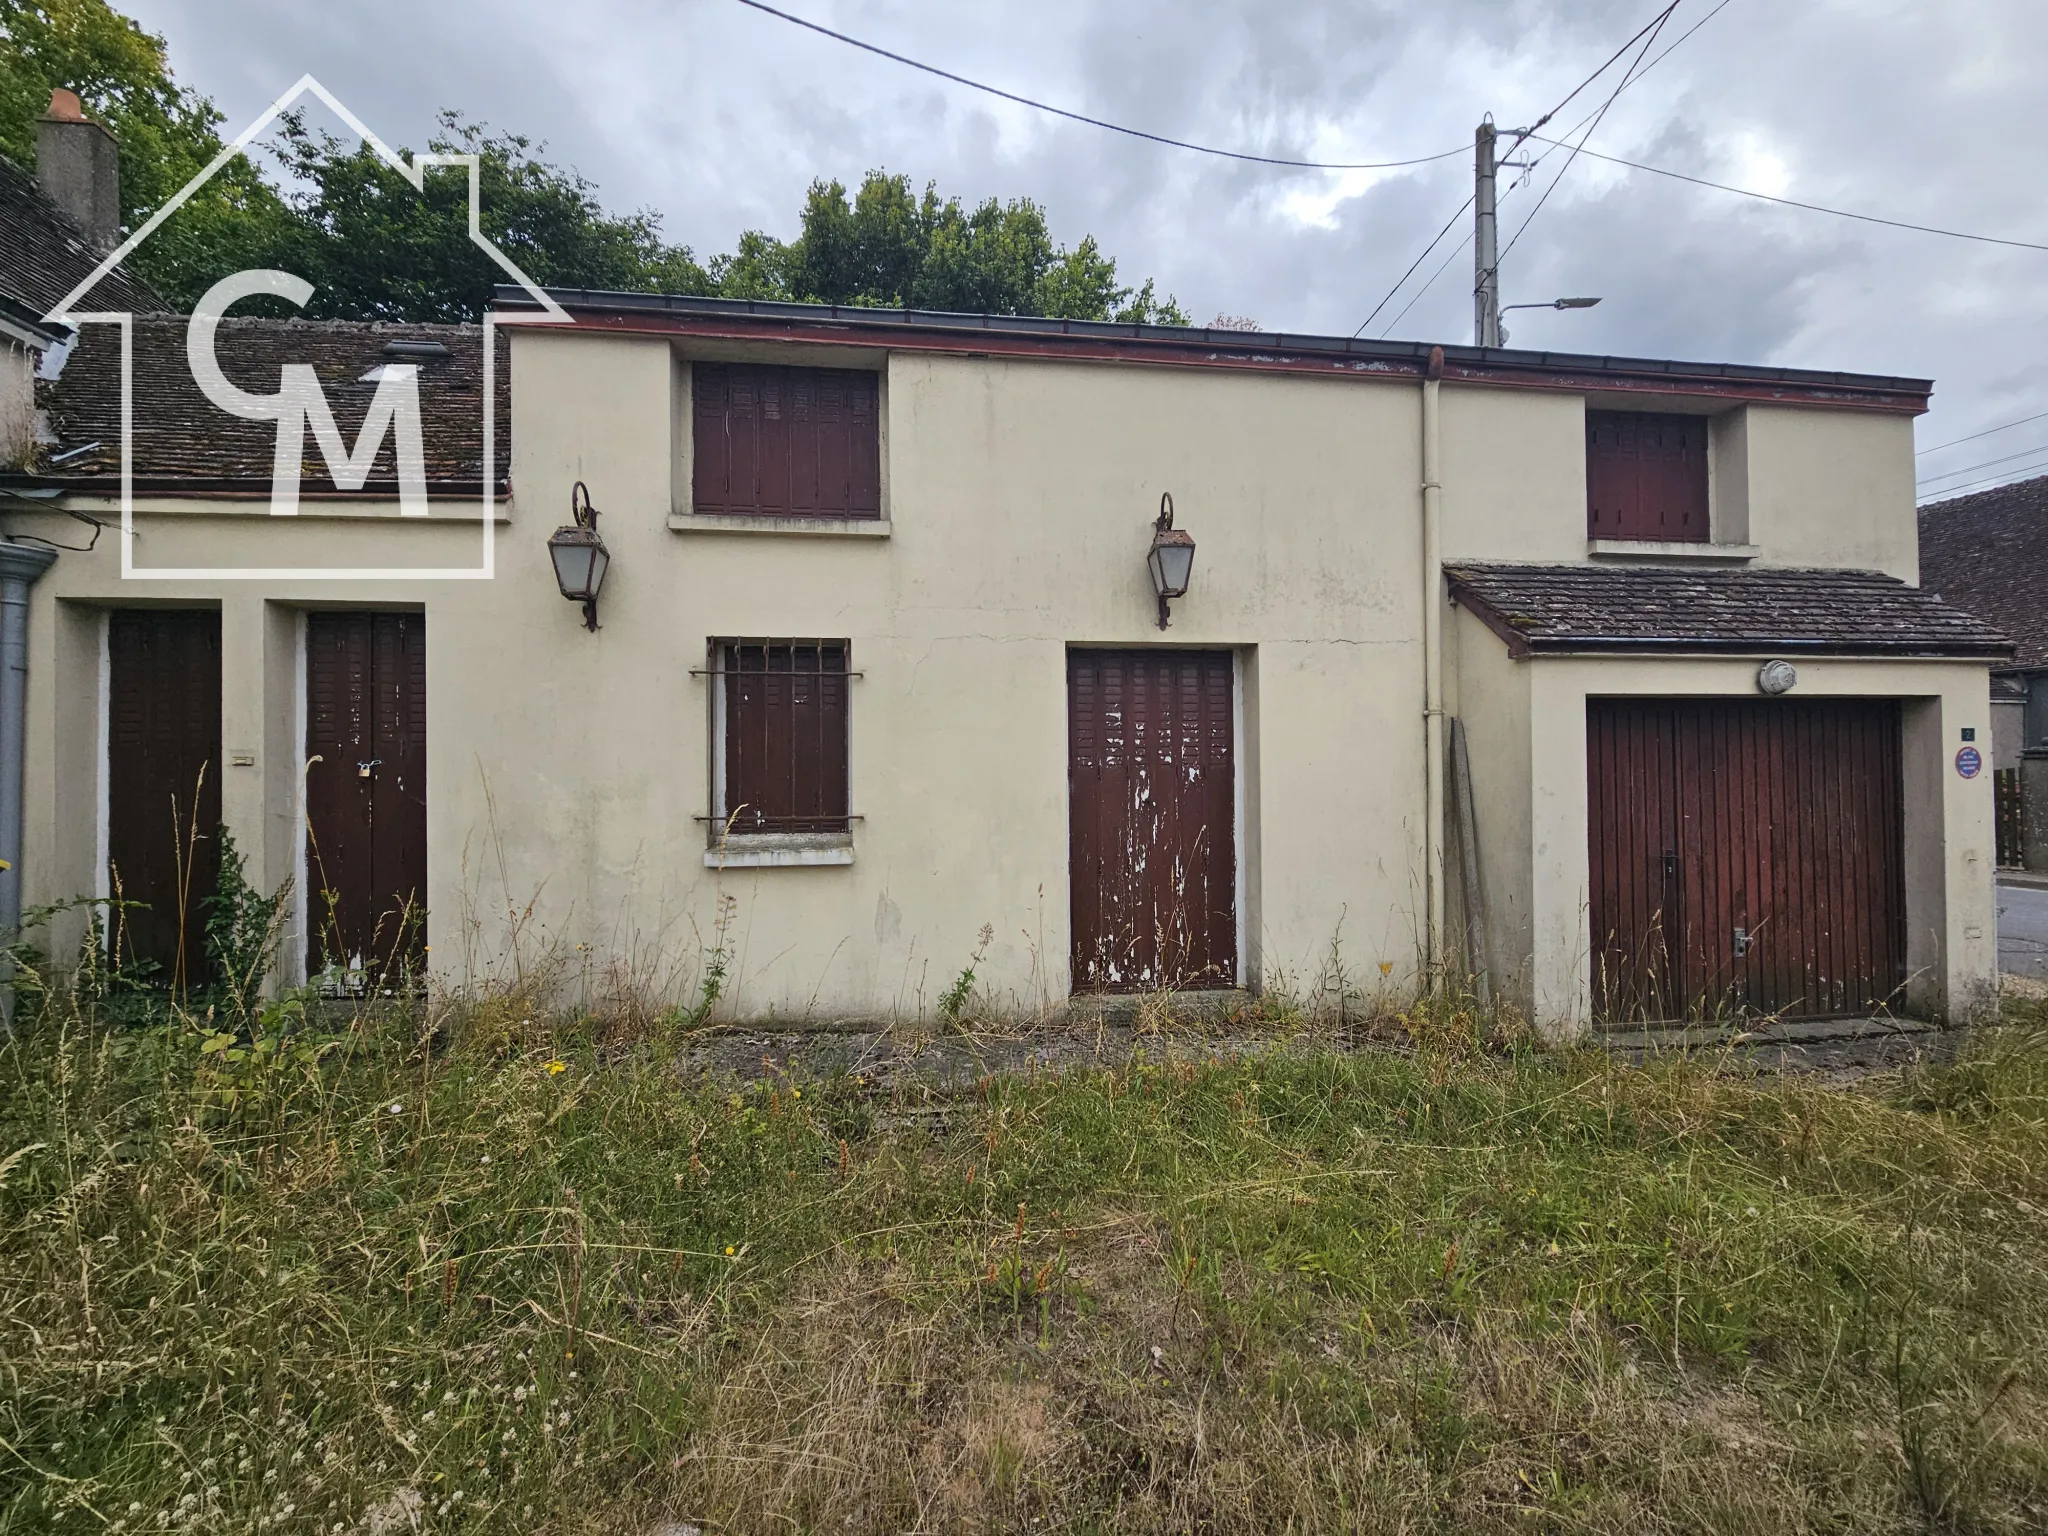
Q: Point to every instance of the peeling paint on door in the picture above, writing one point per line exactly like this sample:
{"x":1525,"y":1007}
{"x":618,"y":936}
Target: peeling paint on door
{"x":1151,"y":795}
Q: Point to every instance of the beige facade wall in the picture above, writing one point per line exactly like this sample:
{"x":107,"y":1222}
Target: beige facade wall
{"x":569,"y":772}
{"x":1832,"y":488}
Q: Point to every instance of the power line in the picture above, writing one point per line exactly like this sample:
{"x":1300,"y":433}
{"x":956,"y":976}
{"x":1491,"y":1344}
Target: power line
{"x":1971,"y":469}
{"x":1627,"y":75}
{"x":1655,"y":24}
{"x":1953,"y":442}
{"x":1095,"y":122}
{"x":1416,"y":298}
{"x":1788,"y":202}
{"x":1990,"y":482}
{"x":1418,"y":261}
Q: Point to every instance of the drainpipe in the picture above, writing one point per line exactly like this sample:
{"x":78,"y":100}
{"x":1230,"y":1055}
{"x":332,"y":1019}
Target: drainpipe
{"x":1433,"y":659}
{"x":20,"y":566}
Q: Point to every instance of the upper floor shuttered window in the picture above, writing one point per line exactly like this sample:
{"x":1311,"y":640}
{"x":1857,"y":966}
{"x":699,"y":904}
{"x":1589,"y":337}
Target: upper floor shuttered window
{"x":1646,"y":476}
{"x":785,"y":442}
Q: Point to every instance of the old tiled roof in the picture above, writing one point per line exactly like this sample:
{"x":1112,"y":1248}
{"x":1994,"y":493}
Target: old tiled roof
{"x":1666,"y":611}
{"x":43,"y":256}
{"x":1988,"y":552}
{"x":184,"y":444}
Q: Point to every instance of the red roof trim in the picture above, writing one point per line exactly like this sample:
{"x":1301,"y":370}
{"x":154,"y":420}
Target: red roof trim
{"x":1253,"y":356}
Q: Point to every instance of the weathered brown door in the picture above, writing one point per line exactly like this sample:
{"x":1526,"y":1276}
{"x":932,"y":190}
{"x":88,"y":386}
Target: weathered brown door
{"x":366,"y":792}
{"x":1151,"y":792}
{"x":1746,"y":857}
{"x":163,"y":786}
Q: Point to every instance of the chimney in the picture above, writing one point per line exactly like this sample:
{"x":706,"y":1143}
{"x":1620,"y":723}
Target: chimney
{"x":80,"y":169}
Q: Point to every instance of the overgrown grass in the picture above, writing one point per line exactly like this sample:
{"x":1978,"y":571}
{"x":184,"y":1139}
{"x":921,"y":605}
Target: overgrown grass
{"x":460,"y":1268}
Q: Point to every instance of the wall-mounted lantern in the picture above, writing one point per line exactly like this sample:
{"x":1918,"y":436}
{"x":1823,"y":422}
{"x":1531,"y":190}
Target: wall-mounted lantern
{"x":579,"y":555}
{"x":1172,"y":558}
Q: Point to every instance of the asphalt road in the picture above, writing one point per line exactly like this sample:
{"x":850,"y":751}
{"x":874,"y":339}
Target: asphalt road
{"x":2023,"y":931}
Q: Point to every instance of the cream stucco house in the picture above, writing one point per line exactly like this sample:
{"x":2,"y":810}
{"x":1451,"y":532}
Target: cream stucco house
{"x":1609,"y":678}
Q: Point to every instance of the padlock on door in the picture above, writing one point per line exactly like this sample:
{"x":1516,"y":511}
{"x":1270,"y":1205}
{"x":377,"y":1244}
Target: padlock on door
{"x":363,"y":769}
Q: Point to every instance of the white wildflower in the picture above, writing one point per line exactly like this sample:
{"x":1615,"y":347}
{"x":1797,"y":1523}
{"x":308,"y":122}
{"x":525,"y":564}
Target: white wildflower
{"x":394,"y":1108}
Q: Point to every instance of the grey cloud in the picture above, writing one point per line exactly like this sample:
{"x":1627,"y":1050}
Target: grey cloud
{"x":718,"y":117}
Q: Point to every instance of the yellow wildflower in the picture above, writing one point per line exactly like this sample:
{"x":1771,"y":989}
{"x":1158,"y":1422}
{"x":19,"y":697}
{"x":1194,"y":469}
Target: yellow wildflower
{"x":557,"y":1068}
{"x":729,"y":1250}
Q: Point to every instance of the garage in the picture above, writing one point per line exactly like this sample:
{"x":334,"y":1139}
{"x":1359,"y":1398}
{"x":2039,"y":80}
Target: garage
{"x":1746,"y":857}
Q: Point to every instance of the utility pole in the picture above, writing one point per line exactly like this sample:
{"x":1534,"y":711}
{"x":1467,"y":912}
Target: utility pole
{"x":1486,"y":242}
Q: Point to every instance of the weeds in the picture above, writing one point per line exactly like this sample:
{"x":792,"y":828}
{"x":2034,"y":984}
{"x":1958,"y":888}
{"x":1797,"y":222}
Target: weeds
{"x":450,"y":1263}
{"x":953,"y":1001}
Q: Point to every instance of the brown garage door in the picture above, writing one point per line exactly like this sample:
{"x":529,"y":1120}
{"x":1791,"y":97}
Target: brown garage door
{"x":1746,"y":857}
{"x":163,"y":786}
{"x":1151,"y":785}
{"x":366,"y":797}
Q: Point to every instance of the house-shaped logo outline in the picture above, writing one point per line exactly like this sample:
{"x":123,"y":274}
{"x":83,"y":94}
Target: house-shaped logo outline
{"x":414,"y":171}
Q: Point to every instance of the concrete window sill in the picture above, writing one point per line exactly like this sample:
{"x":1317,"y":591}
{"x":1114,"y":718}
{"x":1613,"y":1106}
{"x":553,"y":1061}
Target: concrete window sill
{"x":1657,"y":549}
{"x":800,"y":527}
{"x":781,"y":850}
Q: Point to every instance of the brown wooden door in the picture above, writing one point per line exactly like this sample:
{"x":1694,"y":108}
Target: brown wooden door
{"x":366,"y":795}
{"x":1151,"y":790}
{"x":1746,"y":857}
{"x":163,"y":786}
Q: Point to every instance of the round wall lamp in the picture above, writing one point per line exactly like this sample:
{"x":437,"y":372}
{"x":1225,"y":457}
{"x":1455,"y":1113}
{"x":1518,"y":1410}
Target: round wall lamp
{"x":1171,"y":559}
{"x":1776,"y":677}
{"x":579,"y":555}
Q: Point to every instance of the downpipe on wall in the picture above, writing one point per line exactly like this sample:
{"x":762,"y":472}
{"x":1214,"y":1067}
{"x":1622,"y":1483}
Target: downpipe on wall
{"x":21,"y":565}
{"x":1433,"y":662}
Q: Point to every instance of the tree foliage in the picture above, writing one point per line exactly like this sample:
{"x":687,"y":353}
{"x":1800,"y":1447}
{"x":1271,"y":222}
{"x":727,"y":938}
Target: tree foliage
{"x":888,"y":246}
{"x":167,"y":134}
{"x":375,"y":248}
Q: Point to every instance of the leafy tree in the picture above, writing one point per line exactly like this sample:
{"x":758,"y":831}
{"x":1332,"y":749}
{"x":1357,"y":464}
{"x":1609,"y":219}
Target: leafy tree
{"x":375,"y":249}
{"x":888,"y":246}
{"x":166,"y":134}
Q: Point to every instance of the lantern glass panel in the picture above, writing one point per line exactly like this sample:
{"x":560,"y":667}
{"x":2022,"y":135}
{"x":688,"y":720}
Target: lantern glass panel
{"x":572,"y":569}
{"x":1172,"y":565}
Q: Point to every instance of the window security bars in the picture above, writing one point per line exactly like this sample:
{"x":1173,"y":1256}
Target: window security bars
{"x":779,"y":711}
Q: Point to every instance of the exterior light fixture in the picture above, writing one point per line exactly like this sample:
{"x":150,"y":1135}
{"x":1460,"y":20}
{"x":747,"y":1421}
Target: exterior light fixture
{"x":579,"y":555}
{"x":1172,"y":558}
{"x":1776,"y":677}
{"x":1548,"y":304}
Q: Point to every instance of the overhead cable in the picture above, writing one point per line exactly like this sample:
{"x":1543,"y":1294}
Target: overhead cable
{"x":1788,"y":202}
{"x":1989,"y":482}
{"x":1955,"y":441}
{"x":1652,"y":27}
{"x":1971,"y":469}
{"x":1418,"y":261}
{"x":1096,"y":122}
{"x":1594,"y":127}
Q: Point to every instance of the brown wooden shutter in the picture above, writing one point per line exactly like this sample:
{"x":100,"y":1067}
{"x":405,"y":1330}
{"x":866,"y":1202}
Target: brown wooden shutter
{"x":785,"y":442}
{"x":163,"y":785}
{"x":785,"y":737}
{"x":1646,"y":476}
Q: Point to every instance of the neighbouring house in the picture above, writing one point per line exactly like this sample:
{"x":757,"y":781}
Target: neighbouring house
{"x":1988,"y":553}
{"x":1609,"y":678}
{"x":55,"y":226}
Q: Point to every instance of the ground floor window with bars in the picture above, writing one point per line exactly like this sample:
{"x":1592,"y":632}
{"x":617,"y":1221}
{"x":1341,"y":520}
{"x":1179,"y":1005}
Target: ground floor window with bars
{"x":779,"y":714}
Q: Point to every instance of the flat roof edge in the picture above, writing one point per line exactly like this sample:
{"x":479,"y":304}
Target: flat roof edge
{"x":1122,"y":341}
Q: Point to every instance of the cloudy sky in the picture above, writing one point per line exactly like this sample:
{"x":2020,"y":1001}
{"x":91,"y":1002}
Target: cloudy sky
{"x":717,"y":117}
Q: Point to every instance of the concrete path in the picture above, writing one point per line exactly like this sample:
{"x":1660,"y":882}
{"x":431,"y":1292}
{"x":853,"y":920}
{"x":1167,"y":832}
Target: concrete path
{"x":2022,"y":929}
